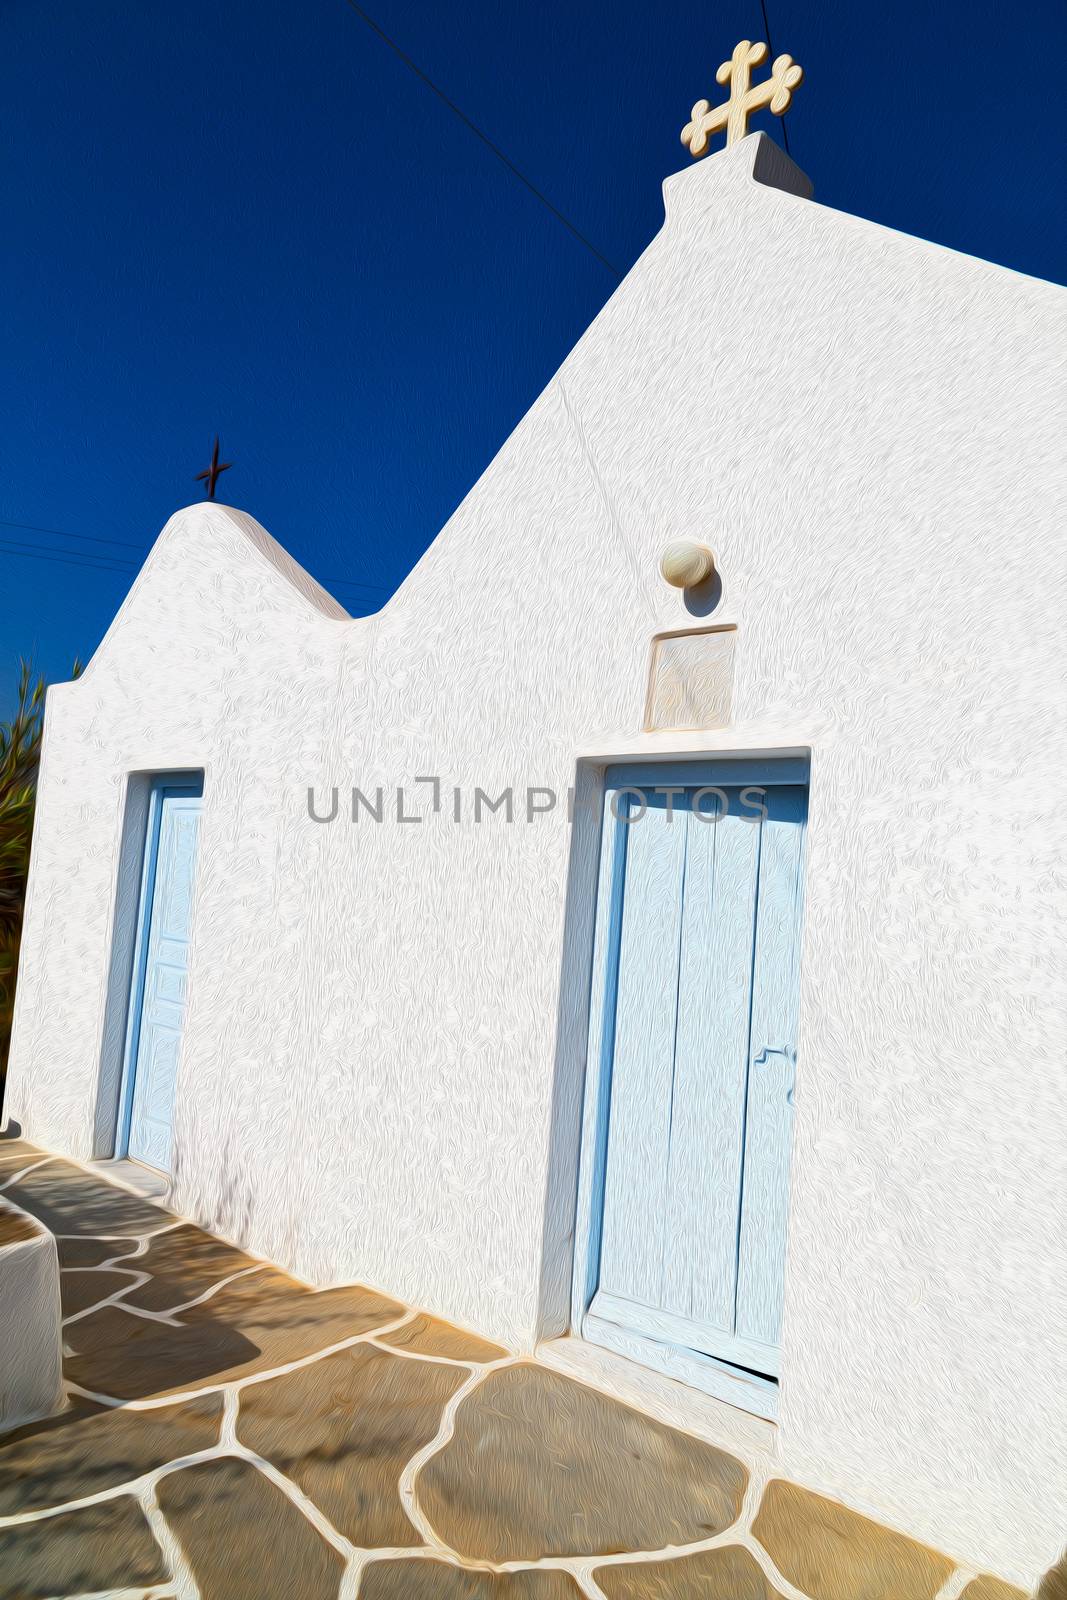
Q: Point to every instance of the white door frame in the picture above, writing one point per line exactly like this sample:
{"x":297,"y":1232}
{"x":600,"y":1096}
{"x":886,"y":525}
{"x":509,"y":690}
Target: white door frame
{"x":749,"y":1391}
{"x":130,"y":942}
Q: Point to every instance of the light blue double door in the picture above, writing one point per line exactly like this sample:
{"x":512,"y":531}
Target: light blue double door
{"x":161,"y":962}
{"x":694,"y":1032}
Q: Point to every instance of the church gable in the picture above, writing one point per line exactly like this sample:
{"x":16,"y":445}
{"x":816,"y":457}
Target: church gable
{"x":214,"y":582}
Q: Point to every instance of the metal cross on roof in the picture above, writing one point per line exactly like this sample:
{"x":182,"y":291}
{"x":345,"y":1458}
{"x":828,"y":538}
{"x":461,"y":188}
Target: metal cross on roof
{"x":774,"y":92}
{"x":211,"y":476}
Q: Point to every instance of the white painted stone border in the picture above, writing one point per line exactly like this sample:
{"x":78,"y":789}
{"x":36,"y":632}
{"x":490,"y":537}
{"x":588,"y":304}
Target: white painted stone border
{"x":31,"y":1372}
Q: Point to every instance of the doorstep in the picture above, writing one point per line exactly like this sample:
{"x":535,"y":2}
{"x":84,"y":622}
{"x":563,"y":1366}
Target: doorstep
{"x":132,"y":1175}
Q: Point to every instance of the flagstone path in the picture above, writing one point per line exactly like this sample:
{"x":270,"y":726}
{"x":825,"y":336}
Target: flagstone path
{"x":235,"y":1435}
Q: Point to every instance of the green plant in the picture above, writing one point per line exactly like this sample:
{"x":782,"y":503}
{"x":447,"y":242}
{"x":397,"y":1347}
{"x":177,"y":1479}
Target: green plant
{"x":20,"y":755}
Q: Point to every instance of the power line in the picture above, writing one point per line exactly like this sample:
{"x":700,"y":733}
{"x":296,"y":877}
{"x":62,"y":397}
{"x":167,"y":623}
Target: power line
{"x":770,"y":48}
{"x":126,"y":544}
{"x":32,"y":527}
{"x":86,"y":557}
{"x":64,"y":560}
{"x":484,"y":137}
{"x":104,"y":564}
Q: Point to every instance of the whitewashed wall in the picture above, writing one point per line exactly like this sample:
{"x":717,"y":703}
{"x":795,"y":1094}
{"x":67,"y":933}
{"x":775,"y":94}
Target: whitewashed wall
{"x":866,"y":429}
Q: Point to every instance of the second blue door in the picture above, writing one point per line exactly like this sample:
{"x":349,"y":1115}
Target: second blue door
{"x":697,"y":1045}
{"x":157,"y":1009}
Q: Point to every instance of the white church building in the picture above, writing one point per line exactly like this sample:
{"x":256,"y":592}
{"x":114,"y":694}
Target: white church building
{"x":662,"y":975}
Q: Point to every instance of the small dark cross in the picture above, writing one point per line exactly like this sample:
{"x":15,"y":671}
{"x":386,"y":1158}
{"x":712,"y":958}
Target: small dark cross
{"x":211,"y":476}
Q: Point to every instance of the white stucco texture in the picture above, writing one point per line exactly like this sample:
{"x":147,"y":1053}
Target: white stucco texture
{"x":866,"y":430}
{"x":31,"y":1379}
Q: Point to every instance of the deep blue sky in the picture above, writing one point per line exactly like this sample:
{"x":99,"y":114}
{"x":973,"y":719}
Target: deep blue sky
{"x":252,"y":218}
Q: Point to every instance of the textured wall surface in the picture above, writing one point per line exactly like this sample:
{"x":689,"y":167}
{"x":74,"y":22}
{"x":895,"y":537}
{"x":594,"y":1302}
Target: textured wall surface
{"x":31,"y":1376}
{"x":865,"y":429}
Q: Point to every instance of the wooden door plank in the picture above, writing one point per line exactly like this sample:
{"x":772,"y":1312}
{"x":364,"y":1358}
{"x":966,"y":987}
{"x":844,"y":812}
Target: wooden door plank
{"x":772,"y":1066}
{"x":686,"y":1334}
{"x":704,"y":1184}
{"x":163,"y":1000}
{"x":646,"y":979}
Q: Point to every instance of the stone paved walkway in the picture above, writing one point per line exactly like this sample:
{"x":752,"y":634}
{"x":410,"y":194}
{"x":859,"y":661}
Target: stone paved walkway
{"x":235,"y":1435}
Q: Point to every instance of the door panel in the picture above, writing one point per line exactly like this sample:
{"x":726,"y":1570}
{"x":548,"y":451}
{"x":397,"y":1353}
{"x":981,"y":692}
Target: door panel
{"x":702,"y":990}
{"x":710,"y":1062}
{"x":667,"y":1328}
{"x":772,"y":1069}
{"x":159,"y":996}
{"x":646,"y":1002}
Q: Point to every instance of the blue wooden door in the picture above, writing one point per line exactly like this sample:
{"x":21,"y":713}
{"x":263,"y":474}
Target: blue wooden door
{"x":699,"y":1048}
{"x":157,"y":1010}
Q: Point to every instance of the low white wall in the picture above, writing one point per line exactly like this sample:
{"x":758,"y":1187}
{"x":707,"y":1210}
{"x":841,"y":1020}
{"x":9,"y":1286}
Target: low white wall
{"x":31,"y":1377}
{"x":866,"y":430}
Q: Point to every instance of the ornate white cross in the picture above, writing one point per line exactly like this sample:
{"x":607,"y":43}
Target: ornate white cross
{"x":775,"y":92}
